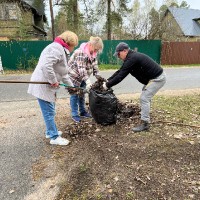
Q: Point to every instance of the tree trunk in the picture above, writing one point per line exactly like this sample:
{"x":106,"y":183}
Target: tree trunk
{"x":109,"y":20}
{"x":75,"y":10}
{"x":52,"y":19}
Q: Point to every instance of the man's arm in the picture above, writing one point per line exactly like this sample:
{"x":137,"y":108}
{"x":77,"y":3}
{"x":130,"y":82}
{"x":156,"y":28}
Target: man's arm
{"x":115,"y":74}
{"x":120,"y":75}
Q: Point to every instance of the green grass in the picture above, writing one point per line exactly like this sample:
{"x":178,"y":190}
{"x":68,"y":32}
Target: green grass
{"x":101,"y":67}
{"x":183,"y":109}
{"x":108,"y":67}
{"x":178,"y":66}
{"x":17,"y":72}
{"x":116,"y":67}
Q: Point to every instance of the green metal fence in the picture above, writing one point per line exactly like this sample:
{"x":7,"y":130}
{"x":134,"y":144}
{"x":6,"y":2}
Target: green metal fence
{"x":15,"y":54}
{"x":149,"y":47}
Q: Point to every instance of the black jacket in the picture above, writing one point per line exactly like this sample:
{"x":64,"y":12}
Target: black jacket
{"x":139,"y":65}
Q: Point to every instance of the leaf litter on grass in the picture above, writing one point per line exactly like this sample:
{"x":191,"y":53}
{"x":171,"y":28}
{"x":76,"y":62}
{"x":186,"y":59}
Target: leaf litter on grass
{"x":112,"y":162}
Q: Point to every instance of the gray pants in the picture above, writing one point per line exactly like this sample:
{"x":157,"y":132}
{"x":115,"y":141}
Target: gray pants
{"x":148,"y":91}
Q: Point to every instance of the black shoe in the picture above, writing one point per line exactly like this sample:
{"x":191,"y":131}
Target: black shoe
{"x":143,"y":127}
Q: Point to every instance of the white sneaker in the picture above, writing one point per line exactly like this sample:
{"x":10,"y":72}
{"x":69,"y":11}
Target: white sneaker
{"x":59,"y":141}
{"x":59,"y":134}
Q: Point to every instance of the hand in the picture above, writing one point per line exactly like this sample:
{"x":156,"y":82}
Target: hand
{"x":85,"y":91}
{"x":98,"y":77}
{"x":81,"y":93}
{"x":104,"y":86}
{"x":72,"y":90}
{"x":55,"y":85}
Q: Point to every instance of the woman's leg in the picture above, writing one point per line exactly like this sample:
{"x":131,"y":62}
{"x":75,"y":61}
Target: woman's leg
{"x":48,"y":112}
{"x":74,"y":105}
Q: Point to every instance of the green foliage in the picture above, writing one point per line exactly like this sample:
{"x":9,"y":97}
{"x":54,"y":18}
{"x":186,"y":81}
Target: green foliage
{"x":184,"y":5}
{"x":108,"y":67}
{"x":114,"y":18}
{"x":22,"y":31}
{"x":39,"y":5}
{"x":99,"y":196}
{"x":69,"y":18}
{"x":129,"y":195}
{"x":117,"y":66}
{"x":83,"y":168}
{"x":27,"y":65}
{"x":32,"y":62}
{"x":178,"y":66}
{"x":21,"y":64}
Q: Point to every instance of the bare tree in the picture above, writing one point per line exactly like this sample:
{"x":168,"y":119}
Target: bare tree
{"x":137,"y":22}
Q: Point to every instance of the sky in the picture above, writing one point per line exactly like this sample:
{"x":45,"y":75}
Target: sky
{"x":194,"y":4}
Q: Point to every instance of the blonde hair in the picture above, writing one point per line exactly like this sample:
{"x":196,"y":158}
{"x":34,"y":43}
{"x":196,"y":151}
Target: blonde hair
{"x":70,"y":38}
{"x":97,"y":42}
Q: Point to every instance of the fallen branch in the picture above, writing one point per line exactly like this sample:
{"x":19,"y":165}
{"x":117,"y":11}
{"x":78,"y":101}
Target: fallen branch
{"x":139,"y":180}
{"x":176,"y":123}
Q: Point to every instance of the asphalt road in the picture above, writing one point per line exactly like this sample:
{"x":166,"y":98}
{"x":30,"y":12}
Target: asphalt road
{"x":177,"y":78}
{"x":22,"y":129}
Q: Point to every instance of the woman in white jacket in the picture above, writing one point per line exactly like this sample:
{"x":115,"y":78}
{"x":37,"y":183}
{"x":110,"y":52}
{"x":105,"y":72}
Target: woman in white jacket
{"x":52,"y":67}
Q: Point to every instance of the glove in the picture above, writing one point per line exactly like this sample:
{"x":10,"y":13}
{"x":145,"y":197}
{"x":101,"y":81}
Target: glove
{"x":98,"y":77}
{"x":72,"y":90}
{"x":104,"y":86}
{"x":88,"y":84}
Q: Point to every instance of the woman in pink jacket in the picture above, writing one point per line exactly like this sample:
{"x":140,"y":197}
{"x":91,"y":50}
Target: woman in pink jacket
{"x":82,"y":64}
{"x":53,"y":68}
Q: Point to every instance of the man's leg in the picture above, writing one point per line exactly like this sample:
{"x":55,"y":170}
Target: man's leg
{"x":145,"y":100}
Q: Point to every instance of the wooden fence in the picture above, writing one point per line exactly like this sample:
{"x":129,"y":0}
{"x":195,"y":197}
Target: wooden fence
{"x":180,"y":53}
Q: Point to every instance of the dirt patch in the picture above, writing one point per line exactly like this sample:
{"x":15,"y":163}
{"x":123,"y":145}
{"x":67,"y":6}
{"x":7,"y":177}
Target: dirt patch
{"x":112,"y":162}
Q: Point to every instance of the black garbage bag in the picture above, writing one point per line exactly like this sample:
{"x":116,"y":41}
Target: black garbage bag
{"x":103,"y":106}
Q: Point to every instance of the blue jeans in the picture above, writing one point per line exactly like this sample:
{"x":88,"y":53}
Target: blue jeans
{"x":48,"y":112}
{"x":77,"y":102}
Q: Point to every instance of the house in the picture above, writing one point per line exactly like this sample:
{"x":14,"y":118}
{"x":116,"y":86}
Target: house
{"x":19,"y":20}
{"x":181,"y":24}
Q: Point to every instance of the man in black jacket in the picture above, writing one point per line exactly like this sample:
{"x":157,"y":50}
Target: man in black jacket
{"x":146,"y":71}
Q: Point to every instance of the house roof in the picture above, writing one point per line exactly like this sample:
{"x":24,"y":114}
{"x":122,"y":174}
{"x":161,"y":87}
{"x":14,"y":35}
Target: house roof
{"x":187,"y":20}
{"x":37,"y":9}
